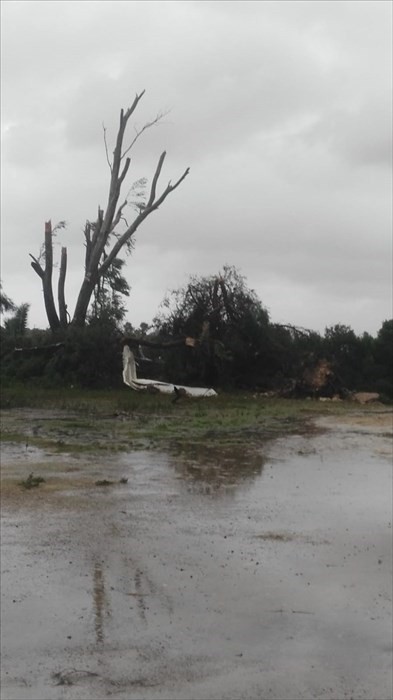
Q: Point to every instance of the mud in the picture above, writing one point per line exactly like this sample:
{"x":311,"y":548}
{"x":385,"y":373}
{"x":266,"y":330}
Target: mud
{"x":202,"y":573}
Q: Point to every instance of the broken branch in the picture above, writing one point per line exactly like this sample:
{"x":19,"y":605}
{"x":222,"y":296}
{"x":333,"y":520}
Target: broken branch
{"x":37,"y":267}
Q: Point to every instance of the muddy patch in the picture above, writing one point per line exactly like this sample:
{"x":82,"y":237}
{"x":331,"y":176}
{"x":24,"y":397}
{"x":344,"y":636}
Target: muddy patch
{"x":289,"y":537}
{"x":215,"y":573}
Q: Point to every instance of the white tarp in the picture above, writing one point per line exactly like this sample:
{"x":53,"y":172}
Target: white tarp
{"x":130,"y":378}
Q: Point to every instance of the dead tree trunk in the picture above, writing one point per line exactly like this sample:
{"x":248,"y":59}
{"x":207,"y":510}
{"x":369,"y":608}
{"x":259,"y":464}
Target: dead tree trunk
{"x":60,"y":289}
{"x":46,"y":276}
{"x":98,"y":236}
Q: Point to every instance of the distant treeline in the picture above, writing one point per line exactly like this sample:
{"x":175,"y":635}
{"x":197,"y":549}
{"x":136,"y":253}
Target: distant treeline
{"x":260,"y":357}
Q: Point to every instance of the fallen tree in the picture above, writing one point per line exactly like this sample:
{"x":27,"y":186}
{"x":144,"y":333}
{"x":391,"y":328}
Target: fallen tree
{"x":154,"y":385}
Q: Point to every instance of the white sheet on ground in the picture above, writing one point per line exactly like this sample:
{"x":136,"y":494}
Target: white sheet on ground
{"x":130,"y":378}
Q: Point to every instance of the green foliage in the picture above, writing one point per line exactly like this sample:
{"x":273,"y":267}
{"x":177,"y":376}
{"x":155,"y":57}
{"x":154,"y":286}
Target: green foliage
{"x":6,"y":304}
{"x":344,"y":349}
{"x":292,"y":349}
{"x":229,"y":322}
{"x":107,"y":304}
{"x":86,"y":357}
{"x":384,"y":345}
{"x":363,"y":363}
{"x":383,"y":357}
{"x":238,"y":346}
{"x":16,"y":326}
{"x":13,"y":333}
{"x":91,"y":357}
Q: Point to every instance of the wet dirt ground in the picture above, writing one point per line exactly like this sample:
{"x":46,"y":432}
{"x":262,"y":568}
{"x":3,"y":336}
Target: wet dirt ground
{"x":208,"y":574}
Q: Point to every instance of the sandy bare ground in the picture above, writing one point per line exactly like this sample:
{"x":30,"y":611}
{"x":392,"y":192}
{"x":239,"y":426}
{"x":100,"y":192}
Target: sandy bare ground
{"x":212,"y":574}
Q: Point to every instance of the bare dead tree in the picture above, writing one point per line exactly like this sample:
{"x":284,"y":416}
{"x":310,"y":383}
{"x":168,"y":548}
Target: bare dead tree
{"x":45,"y":273}
{"x":103,"y":239}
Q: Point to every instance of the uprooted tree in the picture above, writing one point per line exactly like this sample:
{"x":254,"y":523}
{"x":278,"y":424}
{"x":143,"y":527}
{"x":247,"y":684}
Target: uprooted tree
{"x":223,"y":322}
{"x":108,"y":235}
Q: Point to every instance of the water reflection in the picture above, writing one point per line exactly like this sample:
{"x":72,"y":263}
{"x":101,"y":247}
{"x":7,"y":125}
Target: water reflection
{"x":100,"y":601}
{"x":212,"y":469}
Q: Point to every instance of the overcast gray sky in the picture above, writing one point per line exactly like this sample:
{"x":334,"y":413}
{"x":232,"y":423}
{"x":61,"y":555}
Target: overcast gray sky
{"x":281,"y":109}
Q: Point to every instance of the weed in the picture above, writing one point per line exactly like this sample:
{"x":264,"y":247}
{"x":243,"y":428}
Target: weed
{"x":32,"y":481}
{"x":276,"y":536}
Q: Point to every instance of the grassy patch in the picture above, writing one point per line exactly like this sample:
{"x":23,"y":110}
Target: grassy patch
{"x":98,"y":421}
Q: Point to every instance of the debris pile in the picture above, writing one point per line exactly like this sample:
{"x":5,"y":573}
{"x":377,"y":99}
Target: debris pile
{"x":318,"y":380}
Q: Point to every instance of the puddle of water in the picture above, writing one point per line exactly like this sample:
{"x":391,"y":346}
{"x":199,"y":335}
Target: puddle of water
{"x":161,"y":587}
{"x":22,"y":452}
{"x":211,"y":470}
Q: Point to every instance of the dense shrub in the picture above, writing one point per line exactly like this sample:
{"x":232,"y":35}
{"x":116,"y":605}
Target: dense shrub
{"x":87,"y":357}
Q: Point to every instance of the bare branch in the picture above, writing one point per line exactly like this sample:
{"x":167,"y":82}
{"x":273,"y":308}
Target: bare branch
{"x":133,"y":107}
{"x":118,"y":216}
{"x":37,"y":267}
{"x":122,"y":240}
{"x":124,"y":117}
{"x":106,"y":148}
{"x":144,"y":213}
{"x":170,"y":188}
{"x":139,"y":133}
{"x":155,"y":179}
{"x":87,"y":234}
{"x":99,"y":241}
{"x":295,"y":329}
{"x":124,"y":171}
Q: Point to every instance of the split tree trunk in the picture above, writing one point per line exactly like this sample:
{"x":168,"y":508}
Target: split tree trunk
{"x":60,"y":289}
{"x":46,"y":276}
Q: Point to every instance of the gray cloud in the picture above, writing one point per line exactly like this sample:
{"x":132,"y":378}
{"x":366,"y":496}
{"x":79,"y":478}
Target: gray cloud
{"x":282,"y":110}
{"x":363,"y":136}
